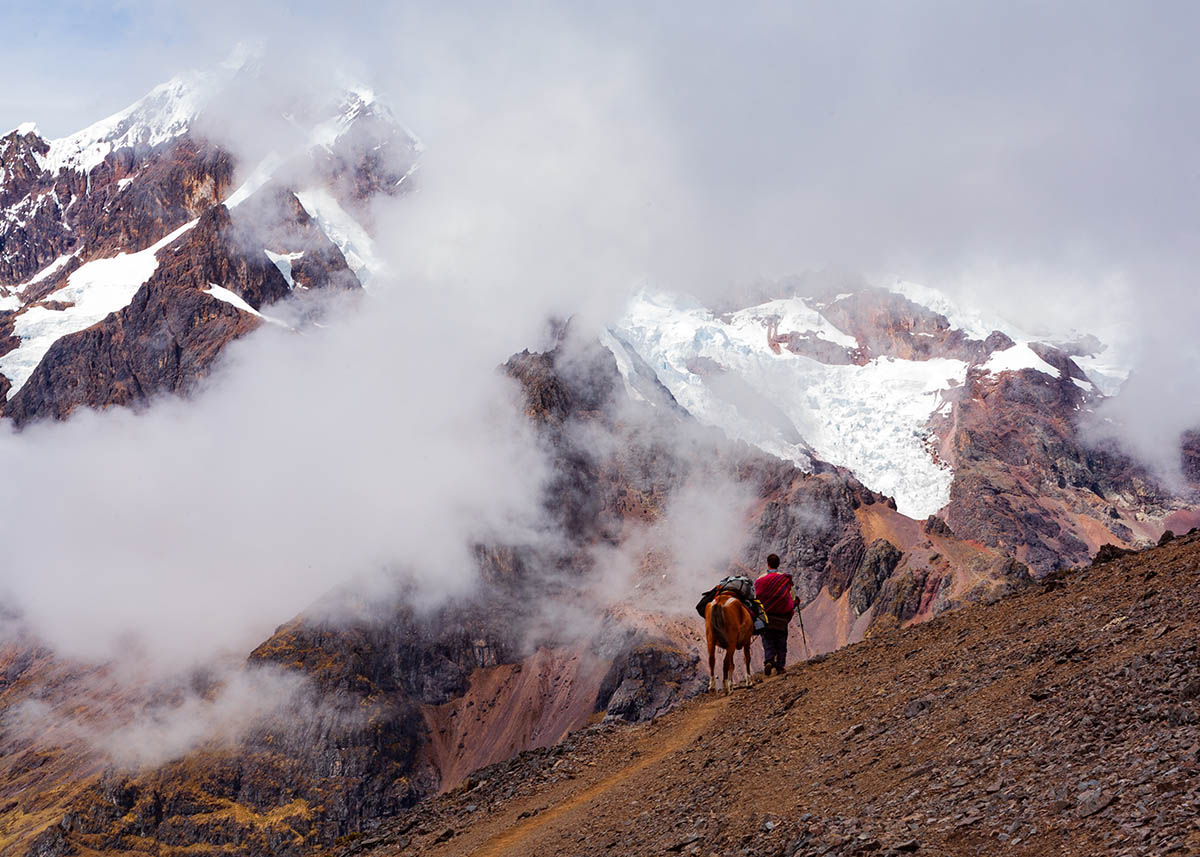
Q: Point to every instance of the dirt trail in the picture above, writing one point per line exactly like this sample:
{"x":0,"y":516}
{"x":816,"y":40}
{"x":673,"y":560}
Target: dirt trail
{"x":515,"y":835}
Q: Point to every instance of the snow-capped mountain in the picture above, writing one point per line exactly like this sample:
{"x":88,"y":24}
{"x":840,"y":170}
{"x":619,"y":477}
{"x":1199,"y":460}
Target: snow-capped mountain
{"x":88,"y":220}
{"x":906,"y":455}
{"x":132,"y":251}
{"x":919,"y":399}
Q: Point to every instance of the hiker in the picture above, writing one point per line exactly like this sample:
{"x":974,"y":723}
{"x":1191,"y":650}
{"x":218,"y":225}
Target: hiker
{"x":774,"y":590}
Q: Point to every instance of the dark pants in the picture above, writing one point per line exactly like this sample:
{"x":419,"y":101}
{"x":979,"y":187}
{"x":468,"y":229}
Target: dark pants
{"x":774,"y":647}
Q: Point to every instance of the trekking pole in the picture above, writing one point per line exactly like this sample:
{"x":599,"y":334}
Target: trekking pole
{"x":803,"y":636}
{"x":800,"y":616}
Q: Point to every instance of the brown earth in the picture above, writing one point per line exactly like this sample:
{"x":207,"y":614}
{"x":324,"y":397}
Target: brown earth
{"x":1064,"y":720}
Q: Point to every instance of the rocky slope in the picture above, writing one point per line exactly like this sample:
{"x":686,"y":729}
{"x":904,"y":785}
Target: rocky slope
{"x":132,"y":252}
{"x":397,"y":705}
{"x":129,"y":258}
{"x":1063,"y":720}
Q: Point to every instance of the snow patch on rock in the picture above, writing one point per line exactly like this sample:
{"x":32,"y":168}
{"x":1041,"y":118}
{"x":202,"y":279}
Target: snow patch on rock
{"x":234,"y":299}
{"x":1017,"y":357}
{"x":93,"y":290}
{"x":48,"y":271}
{"x":344,"y":231}
{"x":794,"y":315}
{"x":283,"y":261}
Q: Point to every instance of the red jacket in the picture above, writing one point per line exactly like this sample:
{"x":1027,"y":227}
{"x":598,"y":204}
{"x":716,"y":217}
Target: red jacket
{"x":774,"y":590}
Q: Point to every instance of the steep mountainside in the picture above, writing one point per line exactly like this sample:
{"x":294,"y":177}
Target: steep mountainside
{"x":397,"y":705}
{"x":905,"y":459}
{"x":1064,"y":720}
{"x":91,"y":311}
{"x":951,"y":415}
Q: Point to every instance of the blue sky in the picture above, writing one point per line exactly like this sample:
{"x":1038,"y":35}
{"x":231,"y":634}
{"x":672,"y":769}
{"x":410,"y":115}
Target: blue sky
{"x":71,"y":63}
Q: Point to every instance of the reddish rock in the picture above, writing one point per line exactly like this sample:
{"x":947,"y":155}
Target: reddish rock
{"x":1026,"y":483}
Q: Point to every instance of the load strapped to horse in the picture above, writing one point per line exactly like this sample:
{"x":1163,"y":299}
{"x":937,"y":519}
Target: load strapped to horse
{"x":742,"y":588}
{"x":732,"y":615}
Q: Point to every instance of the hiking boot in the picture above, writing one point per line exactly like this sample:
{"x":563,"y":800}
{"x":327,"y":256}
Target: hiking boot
{"x":779,"y":668}
{"x":767,"y":669}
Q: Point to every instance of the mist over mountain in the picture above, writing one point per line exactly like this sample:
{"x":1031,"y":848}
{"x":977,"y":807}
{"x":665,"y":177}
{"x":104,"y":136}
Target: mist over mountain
{"x":379,"y":391}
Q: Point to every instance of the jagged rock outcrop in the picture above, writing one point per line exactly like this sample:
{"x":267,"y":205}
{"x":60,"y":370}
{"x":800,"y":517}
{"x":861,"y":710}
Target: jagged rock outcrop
{"x":891,"y":325}
{"x":648,"y":680}
{"x":1025,"y":481}
{"x":1191,"y":456}
{"x":878,"y":562}
{"x":175,"y":327}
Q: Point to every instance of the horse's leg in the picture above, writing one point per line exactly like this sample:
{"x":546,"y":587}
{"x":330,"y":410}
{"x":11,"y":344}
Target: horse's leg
{"x":712,"y":664}
{"x":749,"y":677}
{"x":728,"y":675}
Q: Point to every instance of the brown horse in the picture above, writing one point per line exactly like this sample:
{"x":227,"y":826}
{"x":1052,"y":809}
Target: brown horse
{"x":728,"y":624}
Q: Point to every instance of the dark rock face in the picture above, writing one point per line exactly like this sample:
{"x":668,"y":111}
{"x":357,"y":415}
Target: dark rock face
{"x":126,"y":203}
{"x":903,"y":595}
{"x":31,"y":231}
{"x":170,"y":187}
{"x":1109,"y":552}
{"x":165,"y":339}
{"x":936,"y":526}
{"x":809,"y":518}
{"x":1191,"y":456}
{"x":649,"y":680}
{"x":877,"y":565}
{"x":845,"y":559}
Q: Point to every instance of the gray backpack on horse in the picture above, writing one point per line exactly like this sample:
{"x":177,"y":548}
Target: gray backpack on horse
{"x":743,"y":588}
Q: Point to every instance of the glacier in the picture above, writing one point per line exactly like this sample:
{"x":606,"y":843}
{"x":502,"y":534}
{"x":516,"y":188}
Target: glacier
{"x":872,"y":419}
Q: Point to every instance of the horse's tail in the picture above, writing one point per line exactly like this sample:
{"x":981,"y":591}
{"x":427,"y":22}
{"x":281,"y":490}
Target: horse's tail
{"x":718,"y":623}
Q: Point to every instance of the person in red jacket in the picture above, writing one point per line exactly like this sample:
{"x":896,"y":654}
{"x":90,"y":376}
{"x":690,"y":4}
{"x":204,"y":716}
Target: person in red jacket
{"x":774,"y":590}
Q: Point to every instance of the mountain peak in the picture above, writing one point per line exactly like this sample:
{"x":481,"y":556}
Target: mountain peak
{"x":163,"y":114}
